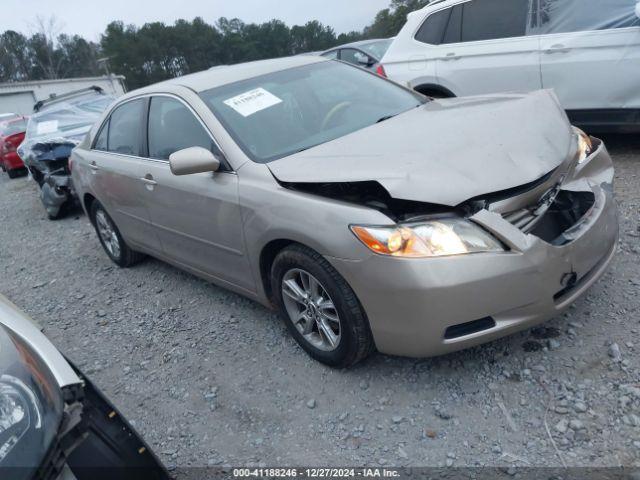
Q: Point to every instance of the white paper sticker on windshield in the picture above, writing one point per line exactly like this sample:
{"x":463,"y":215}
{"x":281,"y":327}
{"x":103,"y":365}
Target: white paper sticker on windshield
{"x":47,"y":127}
{"x":253,"y":102}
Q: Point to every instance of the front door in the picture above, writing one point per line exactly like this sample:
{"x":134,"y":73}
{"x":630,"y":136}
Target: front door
{"x":197,"y":217}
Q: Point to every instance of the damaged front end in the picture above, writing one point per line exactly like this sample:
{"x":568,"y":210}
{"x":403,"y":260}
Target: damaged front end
{"x":369,"y":194}
{"x":556,"y":209}
{"x":550,"y":208}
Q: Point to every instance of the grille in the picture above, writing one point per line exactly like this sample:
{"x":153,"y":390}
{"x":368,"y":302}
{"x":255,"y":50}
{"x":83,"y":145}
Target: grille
{"x":527,"y":218}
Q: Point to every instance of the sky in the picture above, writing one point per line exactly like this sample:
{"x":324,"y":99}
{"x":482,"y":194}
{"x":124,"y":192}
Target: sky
{"x":89,"y":18}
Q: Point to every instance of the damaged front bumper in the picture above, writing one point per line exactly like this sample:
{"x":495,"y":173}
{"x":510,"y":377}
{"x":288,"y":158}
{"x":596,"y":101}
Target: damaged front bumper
{"x":428,"y":307}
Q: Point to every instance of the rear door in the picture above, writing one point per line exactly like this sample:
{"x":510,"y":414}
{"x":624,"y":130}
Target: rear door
{"x":197,"y":217}
{"x":116,"y":164}
{"x":484,"y":47}
{"x":590,"y":52}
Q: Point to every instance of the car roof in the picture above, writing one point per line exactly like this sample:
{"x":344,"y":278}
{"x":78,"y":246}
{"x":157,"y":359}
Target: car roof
{"x":224,"y":75}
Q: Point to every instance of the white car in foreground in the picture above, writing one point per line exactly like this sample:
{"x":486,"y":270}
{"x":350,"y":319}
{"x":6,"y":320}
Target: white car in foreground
{"x":588,"y":51}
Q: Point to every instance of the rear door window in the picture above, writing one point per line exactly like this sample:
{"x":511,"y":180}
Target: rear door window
{"x":174,"y":127}
{"x":103,"y":137}
{"x":125,"y":128}
{"x":494,"y":19}
{"x":453,"y":32}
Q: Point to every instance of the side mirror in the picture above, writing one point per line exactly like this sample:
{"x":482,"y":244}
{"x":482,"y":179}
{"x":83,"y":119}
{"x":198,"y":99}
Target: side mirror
{"x":193,"y":160}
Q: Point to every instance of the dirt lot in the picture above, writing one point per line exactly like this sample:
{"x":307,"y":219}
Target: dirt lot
{"x":210,"y":378}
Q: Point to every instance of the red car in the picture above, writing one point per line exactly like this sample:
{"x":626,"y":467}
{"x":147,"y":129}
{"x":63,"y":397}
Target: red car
{"x":12,"y":131}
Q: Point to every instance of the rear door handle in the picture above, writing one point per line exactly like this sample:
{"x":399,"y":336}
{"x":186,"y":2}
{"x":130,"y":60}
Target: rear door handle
{"x":559,"y":48}
{"x":149,"y":181}
{"x":94,"y":166}
{"x":451,"y":56}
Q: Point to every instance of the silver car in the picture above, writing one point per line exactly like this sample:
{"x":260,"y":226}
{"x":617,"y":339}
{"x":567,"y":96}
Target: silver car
{"x":370,"y":216}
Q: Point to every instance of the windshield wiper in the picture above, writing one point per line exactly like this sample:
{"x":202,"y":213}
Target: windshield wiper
{"x":385,"y":118}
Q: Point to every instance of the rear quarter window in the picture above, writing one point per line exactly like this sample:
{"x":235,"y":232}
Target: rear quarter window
{"x":433,"y":28}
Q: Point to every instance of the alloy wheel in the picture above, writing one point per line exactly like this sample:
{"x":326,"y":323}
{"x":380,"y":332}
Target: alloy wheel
{"x":107,"y":232}
{"x":311,"y":310}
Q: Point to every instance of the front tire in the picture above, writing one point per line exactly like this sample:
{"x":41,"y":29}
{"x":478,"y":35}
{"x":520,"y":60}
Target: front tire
{"x":319,"y":308}
{"x":111,"y":239}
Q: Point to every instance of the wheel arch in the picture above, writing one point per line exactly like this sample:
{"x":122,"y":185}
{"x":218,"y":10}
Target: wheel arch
{"x":268,"y":255}
{"x":434,"y":90}
{"x":87,"y":203}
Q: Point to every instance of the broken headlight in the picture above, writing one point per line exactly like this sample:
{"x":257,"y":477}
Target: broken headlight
{"x":432,"y":238}
{"x":31,"y":407}
{"x":585,"y":145}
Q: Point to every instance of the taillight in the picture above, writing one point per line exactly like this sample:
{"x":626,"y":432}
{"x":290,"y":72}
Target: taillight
{"x":12,"y":142}
{"x":380,"y":71}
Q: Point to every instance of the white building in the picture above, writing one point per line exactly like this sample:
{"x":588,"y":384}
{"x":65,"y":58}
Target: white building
{"x":20,"y":97}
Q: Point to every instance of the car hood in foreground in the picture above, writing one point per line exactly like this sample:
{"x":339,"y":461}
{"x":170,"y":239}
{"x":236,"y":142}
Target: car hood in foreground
{"x":447,"y":151}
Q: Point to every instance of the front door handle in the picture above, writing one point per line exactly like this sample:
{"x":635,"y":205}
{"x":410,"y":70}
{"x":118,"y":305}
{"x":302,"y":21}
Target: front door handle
{"x":558,"y":48}
{"x":149,"y":181}
{"x":451,"y":56}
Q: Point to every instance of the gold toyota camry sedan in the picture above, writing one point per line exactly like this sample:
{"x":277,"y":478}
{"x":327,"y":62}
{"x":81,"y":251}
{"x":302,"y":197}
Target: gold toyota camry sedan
{"x":370,"y":216}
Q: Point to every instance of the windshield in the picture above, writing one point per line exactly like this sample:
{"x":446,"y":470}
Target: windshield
{"x":282,"y":113}
{"x":376,"y":49}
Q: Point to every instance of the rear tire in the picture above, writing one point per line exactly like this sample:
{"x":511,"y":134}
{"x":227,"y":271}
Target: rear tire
{"x":111,"y":239}
{"x":14,"y":173}
{"x":307,"y":316}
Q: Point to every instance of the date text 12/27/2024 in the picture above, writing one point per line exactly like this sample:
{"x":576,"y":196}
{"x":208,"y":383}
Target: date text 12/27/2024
{"x":315,"y":473}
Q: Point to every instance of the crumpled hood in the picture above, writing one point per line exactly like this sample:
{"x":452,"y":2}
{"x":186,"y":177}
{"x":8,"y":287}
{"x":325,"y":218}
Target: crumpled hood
{"x":447,"y":151}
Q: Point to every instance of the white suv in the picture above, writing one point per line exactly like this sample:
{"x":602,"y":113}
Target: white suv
{"x":588,"y":51}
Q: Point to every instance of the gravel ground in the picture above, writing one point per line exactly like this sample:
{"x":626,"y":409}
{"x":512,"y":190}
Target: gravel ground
{"x":210,"y":378}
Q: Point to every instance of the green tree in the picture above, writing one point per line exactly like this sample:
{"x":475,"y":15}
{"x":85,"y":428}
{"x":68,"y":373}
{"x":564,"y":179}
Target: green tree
{"x":79,"y":57}
{"x":389,"y":22}
{"x":15,"y":57}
